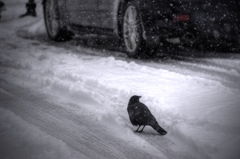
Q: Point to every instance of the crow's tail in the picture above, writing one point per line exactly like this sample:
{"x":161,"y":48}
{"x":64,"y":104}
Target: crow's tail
{"x":159,"y":129}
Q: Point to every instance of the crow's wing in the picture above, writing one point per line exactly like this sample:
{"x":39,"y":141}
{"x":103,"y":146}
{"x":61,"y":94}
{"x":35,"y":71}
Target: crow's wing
{"x":141,"y":114}
{"x":131,"y":116}
{"x":132,"y":112}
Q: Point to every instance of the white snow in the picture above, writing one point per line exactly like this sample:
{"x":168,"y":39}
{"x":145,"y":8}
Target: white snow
{"x":197,"y":103}
{"x":29,"y":141}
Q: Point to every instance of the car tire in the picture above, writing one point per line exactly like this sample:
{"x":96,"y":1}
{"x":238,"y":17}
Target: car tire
{"x":54,"y":28}
{"x":132,"y":33}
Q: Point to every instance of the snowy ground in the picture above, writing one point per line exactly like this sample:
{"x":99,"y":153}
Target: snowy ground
{"x":69,"y":101}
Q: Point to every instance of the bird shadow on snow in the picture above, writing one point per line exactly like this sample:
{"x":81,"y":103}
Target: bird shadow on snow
{"x":147,"y":132}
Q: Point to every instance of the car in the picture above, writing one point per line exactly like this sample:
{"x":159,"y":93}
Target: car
{"x":141,"y":25}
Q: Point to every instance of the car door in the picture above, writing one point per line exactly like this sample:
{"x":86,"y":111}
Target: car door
{"x":83,"y":12}
{"x":108,"y":13}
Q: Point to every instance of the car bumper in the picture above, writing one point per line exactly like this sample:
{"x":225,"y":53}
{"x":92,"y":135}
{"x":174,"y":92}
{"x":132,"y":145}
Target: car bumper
{"x":205,"y":21}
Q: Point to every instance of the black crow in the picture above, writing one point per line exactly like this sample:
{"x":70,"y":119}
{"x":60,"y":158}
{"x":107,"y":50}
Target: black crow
{"x":140,"y":115}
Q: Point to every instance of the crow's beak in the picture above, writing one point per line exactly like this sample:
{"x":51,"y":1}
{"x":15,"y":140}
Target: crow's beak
{"x":139,"y":96}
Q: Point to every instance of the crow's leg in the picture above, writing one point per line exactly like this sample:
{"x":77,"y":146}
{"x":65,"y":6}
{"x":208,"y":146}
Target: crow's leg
{"x":138,"y":128}
{"x":142,"y":128}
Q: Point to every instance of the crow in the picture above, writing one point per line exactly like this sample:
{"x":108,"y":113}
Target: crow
{"x":140,"y":115}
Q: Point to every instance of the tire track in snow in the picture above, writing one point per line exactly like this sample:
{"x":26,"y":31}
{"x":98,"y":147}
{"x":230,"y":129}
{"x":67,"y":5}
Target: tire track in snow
{"x":219,"y":72}
{"x":55,"y":122}
{"x":212,"y":68}
{"x":46,"y":124}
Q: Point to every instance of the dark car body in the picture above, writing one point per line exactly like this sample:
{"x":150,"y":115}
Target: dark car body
{"x":217,"y":20}
{"x":105,"y":17}
{"x":191,"y":20}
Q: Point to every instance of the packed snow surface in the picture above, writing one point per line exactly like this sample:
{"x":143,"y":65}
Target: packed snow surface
{"x":68,"y":101}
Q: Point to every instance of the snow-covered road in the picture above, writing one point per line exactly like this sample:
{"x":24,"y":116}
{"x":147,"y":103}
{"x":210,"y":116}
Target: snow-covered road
{"x":65,"y":100}
{"x":73,"y":124}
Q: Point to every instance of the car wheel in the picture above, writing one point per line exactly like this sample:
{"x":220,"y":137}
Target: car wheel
{"x":52,"y":22}
{"x":132,"y":31}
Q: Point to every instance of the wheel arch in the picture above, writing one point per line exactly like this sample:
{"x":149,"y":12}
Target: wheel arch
{"x":121,"y":8}
{"x":120,"y":16}
{"x":62,"y":34}
{"x":60,"y":4}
